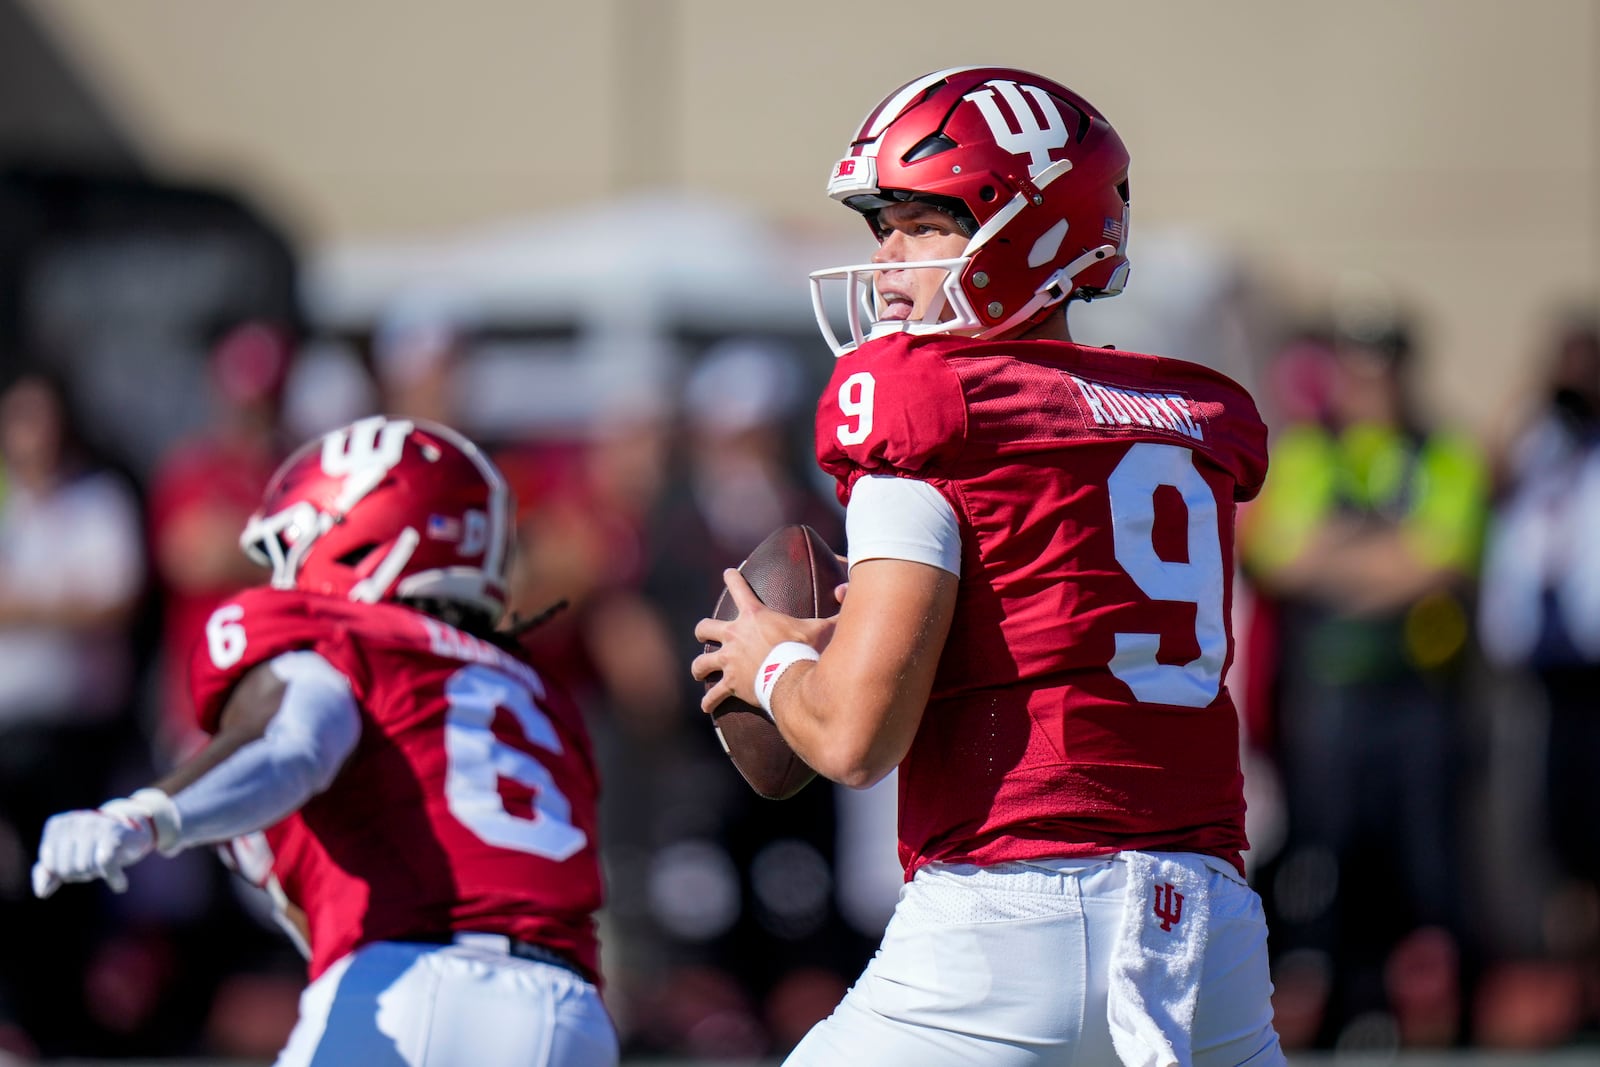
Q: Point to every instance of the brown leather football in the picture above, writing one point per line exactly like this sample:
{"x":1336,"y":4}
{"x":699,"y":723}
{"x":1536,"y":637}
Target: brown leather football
{"x":795,"y":572}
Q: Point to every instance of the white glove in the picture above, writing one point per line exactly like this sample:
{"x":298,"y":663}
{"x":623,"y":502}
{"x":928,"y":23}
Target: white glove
{"x":80,"y":846}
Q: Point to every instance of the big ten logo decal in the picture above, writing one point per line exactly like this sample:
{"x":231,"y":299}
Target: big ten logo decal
{"x":363,"y":453}
{"x":1021,"y":132}
{"x":853,"y":173}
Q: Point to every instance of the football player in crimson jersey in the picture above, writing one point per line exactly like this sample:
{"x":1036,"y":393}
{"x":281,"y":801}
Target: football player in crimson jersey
{"x":1036,"y":626}
{"x":427,"y":799}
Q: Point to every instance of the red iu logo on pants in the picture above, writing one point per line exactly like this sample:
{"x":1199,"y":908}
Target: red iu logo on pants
{"x":1168,"y":906}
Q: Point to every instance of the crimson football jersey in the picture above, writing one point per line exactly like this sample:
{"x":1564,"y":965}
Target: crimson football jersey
{"x":1079,"y":706}
{"x":468,"y":804}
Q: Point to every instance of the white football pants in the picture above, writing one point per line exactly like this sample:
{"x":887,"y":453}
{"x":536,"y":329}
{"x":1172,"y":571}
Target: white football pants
{"x":1013,"y":966}
{"x":400,"y":1004}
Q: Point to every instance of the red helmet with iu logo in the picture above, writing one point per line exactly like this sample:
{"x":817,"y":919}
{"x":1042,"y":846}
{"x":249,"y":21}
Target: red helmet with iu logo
{"x":388,"y":509}
{"x":1034,"y":174}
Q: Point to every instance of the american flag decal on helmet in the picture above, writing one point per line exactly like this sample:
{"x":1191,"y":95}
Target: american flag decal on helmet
{"x":444,"y":528}
{"x":1112,"y":231}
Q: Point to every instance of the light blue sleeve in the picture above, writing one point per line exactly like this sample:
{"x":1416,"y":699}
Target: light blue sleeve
{"x":314,"y":731}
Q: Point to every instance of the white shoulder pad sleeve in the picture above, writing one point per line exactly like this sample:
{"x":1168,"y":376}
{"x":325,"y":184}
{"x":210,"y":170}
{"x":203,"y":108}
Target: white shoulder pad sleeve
{"x":902,"y":518}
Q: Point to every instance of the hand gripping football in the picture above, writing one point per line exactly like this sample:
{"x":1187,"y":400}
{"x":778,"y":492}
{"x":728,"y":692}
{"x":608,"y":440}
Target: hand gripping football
{"x":795,"y":572}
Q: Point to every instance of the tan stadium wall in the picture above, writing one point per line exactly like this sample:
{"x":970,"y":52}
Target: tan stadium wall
{"x":1448,"y":149}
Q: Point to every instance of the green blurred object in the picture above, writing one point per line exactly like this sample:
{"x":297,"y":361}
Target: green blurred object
{"x":1433,"y":490}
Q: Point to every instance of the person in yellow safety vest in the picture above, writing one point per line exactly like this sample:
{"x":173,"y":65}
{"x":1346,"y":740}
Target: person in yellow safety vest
{"x":1366,"y":540}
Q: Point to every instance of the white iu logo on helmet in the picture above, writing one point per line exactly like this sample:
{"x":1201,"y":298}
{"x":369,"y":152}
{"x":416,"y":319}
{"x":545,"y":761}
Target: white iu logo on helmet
{"x":362,"y":454}
{"x":1020,"y":133}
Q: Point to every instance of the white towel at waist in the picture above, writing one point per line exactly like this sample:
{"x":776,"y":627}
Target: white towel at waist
{"x":1155,"y":967}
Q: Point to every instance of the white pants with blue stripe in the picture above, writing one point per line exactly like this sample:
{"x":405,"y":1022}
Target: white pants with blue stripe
{"x":402,"y":1004}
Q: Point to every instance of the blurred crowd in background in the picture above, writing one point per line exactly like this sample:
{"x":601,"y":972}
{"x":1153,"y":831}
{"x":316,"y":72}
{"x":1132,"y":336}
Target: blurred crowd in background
{"x":1418,"y":620}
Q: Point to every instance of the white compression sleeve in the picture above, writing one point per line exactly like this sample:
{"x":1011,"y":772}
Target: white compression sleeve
{"x":307,"y":741}
{"x":902,"y":518}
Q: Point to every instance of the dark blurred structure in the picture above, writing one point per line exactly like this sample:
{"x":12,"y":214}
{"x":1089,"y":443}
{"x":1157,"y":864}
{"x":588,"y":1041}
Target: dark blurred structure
{"x":1363,"y":548}
{"x":118,"y":277}
{"x":47,"y":113}
{"x":125,"y":284}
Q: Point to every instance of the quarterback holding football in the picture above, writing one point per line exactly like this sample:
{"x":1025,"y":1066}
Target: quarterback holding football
{"x":1040,"y":539}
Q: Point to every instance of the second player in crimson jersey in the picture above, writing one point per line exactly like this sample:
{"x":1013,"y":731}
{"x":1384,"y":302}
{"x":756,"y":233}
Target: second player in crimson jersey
{"x":383,"y":760}
{"x":500,"y":847}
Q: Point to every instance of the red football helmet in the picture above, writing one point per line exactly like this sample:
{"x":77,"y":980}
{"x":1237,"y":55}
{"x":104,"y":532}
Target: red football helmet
{"x":387,"y":509}
{"x":1036,"y":176}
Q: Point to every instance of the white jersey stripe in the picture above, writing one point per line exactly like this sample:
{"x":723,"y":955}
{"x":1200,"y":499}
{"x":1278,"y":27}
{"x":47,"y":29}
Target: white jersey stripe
{"x":891,"y":108}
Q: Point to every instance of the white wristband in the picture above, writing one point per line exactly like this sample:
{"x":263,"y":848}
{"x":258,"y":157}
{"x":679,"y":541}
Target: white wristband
{"x":783,"y":656}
